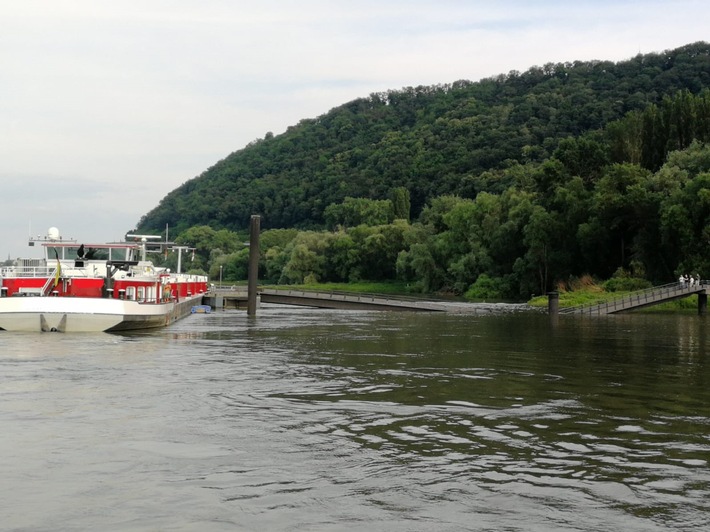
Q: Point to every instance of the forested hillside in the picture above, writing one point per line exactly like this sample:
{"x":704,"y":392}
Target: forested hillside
{"x":511,"y":183}
{"x":431,"y":140}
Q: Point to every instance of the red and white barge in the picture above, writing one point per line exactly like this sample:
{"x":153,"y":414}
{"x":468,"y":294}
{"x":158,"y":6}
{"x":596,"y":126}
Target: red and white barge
{"x":92,"y":288}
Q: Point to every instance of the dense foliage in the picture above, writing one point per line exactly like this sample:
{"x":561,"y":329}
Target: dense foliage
{"x":514,"y":183}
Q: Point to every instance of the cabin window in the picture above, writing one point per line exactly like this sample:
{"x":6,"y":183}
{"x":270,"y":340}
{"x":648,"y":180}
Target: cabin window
{"x":130,"y":292}
{"x":141,"y":293}
{"x":54,"y":252}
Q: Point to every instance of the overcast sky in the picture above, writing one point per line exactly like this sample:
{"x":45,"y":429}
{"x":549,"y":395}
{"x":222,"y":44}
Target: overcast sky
{"x":106,"y":106}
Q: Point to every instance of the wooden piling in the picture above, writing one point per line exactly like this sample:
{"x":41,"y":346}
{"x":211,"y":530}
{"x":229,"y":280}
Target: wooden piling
{"x":253,"y":272}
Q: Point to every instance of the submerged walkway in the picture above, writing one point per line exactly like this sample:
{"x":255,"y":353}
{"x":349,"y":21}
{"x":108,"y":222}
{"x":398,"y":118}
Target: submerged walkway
{"x":237,"y":296}
{"x":646,"y":298}
{"x":346,"y":301}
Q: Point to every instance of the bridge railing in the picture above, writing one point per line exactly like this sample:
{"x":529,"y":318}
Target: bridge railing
{"x":334,"y":296}
{"x":354,"y":297}
{"x":367,"y":295}
{"x":286,"y":289}
{"x":638,"y":298}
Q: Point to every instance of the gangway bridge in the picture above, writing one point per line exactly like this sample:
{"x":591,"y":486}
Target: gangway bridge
{"x":646,"y":298}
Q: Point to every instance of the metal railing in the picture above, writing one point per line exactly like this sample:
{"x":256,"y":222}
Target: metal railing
{"x":28,"y":271}
{"x":326,"y":293}
{"x":640,"y":298}
{"x":46,"y":289}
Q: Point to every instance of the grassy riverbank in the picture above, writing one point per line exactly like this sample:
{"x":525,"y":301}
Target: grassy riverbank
{"x":574,"y":299}
{"x":587,"y":292}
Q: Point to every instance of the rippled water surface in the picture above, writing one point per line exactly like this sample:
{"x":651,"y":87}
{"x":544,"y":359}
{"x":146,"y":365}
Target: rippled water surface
{"x":305,"y":419}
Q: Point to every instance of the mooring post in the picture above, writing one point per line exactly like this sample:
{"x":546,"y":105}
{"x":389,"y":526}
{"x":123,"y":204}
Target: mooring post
{"x":253,"y":273}
{"x":553,"y":303}
{"x":702,"y":303}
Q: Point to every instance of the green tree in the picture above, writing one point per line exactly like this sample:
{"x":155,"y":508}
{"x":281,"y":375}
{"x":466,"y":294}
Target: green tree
{"x":685,"y":208}
{"x":401,"y":203}
{"x":205,"y":239}
{"x":618,"y":206}
{"x":342,"y":259}
{"x":306,"y":258}
{"x":583,"y":157}
{"x":357,"y":211}
{"x":540,"y":236}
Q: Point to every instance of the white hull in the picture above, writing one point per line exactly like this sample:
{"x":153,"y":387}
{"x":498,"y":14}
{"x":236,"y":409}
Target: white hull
{"x":73,"y":314}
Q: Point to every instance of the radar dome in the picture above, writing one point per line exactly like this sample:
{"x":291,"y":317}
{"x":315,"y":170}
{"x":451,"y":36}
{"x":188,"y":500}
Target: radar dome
{"x":53,"y":233}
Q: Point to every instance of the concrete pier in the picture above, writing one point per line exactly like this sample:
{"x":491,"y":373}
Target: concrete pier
{"x":553,"y":303}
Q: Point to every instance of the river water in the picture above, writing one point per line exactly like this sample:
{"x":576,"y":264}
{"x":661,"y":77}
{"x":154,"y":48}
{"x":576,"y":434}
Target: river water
{"x":308,"y":420}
